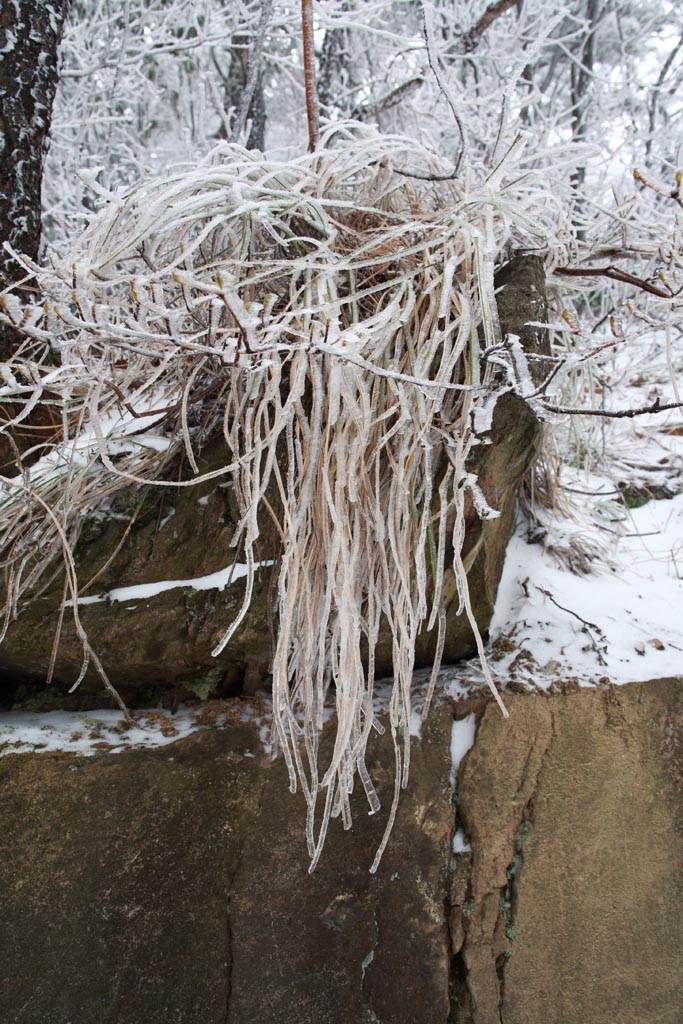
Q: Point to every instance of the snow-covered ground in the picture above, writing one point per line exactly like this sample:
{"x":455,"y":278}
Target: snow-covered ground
{"x":619,"y":621}
{"x":622,"y":623}
{"x":592,"y":591}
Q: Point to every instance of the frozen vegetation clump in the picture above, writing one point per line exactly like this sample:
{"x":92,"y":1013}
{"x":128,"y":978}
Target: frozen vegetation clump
{"x":336,"y":321}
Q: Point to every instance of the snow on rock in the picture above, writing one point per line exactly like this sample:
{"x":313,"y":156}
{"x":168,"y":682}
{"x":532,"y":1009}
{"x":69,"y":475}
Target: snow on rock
{"x":620,"y":625}
{"x":212,"y":581}
{"x":460,"y":844}
{"x":462,"y":739}
{"x":83,"y":734}
{"x":86,"y":733}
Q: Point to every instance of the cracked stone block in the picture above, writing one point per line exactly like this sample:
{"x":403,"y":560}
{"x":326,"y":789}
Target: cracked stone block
{"x":172,"y":885}
{"x":576,"y":822}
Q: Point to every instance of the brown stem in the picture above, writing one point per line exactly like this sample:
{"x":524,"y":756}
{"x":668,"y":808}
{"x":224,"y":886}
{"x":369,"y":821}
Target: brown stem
{"x":588,"y":627}
{"x":616,"y":274}
{"x":165,"y":410}
{"x":312,"y":113}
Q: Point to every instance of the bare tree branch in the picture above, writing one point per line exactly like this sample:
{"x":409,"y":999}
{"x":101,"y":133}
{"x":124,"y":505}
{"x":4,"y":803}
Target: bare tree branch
{"x":253,"y":71}
{"x":581,"y":78}
{"x":391,"y":99}
{"x":493,"y":11}
{"x":654,"y":99}
{"x":614,"y":414}
{"x":615,"y":274}
{"x":433,"y":59}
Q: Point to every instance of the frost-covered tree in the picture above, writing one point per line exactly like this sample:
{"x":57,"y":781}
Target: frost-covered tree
{"x":155,"y":83}
{"x":149,"y":85}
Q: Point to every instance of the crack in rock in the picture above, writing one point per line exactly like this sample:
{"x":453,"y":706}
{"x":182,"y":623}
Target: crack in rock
{"x":371,"y":1016}
{"x":496,"y":789}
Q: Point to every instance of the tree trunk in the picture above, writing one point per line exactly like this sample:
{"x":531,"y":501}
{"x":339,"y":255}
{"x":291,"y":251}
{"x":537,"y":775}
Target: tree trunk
{"x":234,"y":83}
{"x":30,"y":33}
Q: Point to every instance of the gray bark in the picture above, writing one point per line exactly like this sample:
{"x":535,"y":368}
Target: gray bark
{"x":30,"y":33}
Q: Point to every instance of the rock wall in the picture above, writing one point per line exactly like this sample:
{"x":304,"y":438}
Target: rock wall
{"x":171,"y":885}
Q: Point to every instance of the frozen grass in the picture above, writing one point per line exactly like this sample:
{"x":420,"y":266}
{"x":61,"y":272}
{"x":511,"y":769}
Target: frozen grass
{"x":328,"y":316}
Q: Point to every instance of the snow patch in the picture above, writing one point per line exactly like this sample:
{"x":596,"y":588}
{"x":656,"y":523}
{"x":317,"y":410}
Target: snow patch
{"x":212,"y":581}
{"x":415,"y":726}
{"x":460,"y":844}
{"x":620,"y":625}
{"x":463,"y":732}
{"x":462,"y":739}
